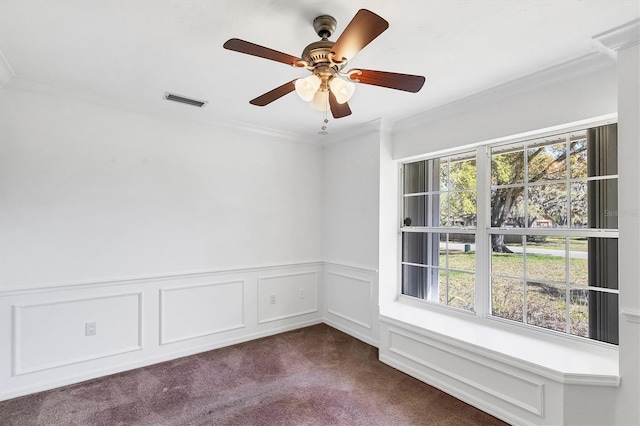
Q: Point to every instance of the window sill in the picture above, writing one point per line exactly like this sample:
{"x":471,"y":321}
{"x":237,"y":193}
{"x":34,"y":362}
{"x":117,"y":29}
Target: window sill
{"x":566,"y":362}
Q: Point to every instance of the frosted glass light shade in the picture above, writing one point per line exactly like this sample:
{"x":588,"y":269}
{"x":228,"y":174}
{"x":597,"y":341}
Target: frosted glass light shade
{"x":307,"y":87}
{"x":320,"y":101}
{"x":342,"y":89}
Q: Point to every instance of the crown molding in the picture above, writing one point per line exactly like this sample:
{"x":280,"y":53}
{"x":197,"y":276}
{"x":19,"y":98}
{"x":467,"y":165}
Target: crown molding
{"x":6,"y":70}
{"x":621,"y":37}
{"x":547,"y":77}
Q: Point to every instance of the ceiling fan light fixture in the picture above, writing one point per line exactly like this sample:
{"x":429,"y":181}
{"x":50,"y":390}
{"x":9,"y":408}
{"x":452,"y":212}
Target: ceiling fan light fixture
{"x":342,"y":89}
{"x":328,"y":88}
{"x":307,"y":87}
{"x":320,"y":100}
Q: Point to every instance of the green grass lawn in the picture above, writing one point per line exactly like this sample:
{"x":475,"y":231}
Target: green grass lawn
{"x":546,"y":302}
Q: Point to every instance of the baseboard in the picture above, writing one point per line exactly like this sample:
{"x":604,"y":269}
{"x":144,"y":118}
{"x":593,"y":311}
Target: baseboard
{"x":353,"y":333}
{"x":120,"y":368}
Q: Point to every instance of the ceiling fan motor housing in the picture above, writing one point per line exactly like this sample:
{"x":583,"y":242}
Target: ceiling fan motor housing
{"x":316,"y":54}
{"x":324,"y":25}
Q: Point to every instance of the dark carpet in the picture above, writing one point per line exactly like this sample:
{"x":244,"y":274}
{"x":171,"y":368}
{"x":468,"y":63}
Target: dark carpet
{"x":312,"y":376}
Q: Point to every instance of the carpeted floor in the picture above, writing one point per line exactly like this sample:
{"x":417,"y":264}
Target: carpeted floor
{"x":312,"y":376}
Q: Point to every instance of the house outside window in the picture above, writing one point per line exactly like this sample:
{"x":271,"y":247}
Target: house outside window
{"x":550,"y":227}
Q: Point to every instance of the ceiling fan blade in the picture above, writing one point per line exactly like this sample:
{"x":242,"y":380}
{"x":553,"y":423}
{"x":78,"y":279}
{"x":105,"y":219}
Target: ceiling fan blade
{"x":391,"y":80}
{"x":338,"y":110}
{"x":362,"y":30}
{"x":260,"y":51}
{"x":274,"y":94}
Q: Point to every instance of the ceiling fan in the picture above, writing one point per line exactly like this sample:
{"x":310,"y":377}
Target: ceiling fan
{"x":328,"y":87}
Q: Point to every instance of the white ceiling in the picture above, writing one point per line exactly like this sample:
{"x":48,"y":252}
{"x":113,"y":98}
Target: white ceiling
{"x":130,"y":52}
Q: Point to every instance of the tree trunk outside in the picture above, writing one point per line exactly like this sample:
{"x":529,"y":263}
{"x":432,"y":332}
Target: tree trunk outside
{"x":498,"y":245}
{"x":501,"y":204}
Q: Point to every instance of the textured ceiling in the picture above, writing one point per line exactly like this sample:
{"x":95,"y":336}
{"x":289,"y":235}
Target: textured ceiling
{"x":131,"y":52}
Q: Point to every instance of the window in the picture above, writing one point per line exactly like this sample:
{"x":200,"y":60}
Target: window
{"x":439,"y":223}
{"x":550,"y":227}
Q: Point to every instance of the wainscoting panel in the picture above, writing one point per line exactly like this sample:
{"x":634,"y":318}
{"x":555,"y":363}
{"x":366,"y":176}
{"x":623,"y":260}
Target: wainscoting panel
{"x":437,"y":357}
{"x":49,"y":335}
{"x":196,"y":311}
{"x":145,"y":320}
{"x":351,"y":298}
{"x":286,"y":296}
{"x":514,"y":395}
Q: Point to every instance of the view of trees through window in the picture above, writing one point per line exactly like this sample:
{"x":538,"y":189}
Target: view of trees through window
{"x":551,"y":266}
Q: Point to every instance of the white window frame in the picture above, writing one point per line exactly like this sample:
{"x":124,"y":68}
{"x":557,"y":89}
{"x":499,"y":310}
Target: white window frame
{"x":482,"y":302}
{"x":437,"y":229}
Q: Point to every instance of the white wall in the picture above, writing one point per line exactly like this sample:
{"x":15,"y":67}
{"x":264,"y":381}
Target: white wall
{"x":350,"y":200}
{"x":93,"y":193}
{"x":173,"y":237}
{"x":350,"y":243}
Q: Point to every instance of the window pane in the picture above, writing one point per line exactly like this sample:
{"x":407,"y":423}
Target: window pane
{"x":579,"y":210}
{"x":443,"y":289}
{"x":444,"y":175}
{"x":507,"y":298}
{"x":420,"y":248}
{"x":602,"y":151}
{"x":461,"y":252}
{"x":421,"y":176}
{"x":507,"y":164}
{"x":578,"y":155}
{"x":579,"y":312}
{"x":507,"y":208}
{"x":415,"y":177}
{"x":462,"y":174}
{"x":546,"y":306}
{"x":420,"y":282}
{"x":509,"y":264}
{"x":547,"y":160}
{"x":461,"y":290}
{"x":603,"y":262}
{"x":603,"y":316}
{"x":602,"y":199}
{"x":546,"y":264}
{"x":423,"y":210}
{"x":444,"y":210}
{"x":594,"y":314}
{"x":578,"y":261}
{"x":462,"y":209}
{"x":547,"y":206}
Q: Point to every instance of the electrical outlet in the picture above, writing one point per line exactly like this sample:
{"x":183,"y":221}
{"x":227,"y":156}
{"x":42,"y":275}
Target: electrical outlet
{"x":301,"y":293}
{"x":272,"y":299}
{"x":90,"y":328}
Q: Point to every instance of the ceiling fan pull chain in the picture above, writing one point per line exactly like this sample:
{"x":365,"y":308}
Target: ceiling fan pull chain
{"x":323,"y":130}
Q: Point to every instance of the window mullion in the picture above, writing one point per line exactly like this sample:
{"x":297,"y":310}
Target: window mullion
{"x":483,"y":245}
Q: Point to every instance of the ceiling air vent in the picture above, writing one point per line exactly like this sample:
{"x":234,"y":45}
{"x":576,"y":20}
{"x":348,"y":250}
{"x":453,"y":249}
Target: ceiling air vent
{"x":177,"y":98}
